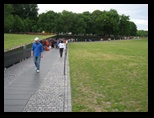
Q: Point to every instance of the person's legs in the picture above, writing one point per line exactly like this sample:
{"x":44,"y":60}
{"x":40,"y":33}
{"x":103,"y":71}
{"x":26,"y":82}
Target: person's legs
{"x":61,"y":51}
{"x":35,"y":61}
{"x":38,"y":62}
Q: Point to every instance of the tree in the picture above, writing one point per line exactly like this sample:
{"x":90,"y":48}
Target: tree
{"x":107,"y":23}
{"x":66,"y":17}
{"x":142,"y":33}
{"x":25,"y":10}
{"x":132,"y":28}
{"x":95,"y":16}
{"x":79,"y":25}
{"x":18,"y":24}
{"x":8,"y":18}
{"x":88,"y":22}
{"x":27,"y":24}
{"x":124,"y":25}
{"x":42,"y":22}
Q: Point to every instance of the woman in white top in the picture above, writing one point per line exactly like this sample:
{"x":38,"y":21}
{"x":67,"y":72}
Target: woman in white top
{"x":61,"y":46}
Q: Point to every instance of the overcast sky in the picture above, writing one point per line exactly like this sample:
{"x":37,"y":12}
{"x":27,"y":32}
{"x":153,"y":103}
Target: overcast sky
{"x":138,"y":12}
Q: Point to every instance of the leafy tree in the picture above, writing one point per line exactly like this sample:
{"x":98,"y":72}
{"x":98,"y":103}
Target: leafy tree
{"x":79,"y":25}
{"x":132,"y":28}
{"x":8,"y":18}
{"x":27,"y":24}
{"x":124,"y":25}
{"x":25,"y":10}
{"x":18,"y":24}
{"x":142,"y":33}
{"x":88,"y":22}
{"x":42,"y":22}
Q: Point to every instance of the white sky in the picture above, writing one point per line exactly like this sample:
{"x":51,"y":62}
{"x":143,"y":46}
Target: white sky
{"x":138,"y":12}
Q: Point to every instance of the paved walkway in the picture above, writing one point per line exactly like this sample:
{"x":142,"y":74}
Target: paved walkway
{"x":25,"y":90}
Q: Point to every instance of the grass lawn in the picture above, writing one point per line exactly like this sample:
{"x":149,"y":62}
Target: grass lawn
{"x":14,"y":40}
{"x":109,"y":76}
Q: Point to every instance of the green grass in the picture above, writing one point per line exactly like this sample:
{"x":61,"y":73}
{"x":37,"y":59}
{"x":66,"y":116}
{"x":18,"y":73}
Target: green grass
{"x":15,"y":40}
{"x":109,"y":76}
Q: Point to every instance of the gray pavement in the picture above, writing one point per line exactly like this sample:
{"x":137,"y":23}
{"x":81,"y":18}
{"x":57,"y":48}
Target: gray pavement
{"x":25,"y":90}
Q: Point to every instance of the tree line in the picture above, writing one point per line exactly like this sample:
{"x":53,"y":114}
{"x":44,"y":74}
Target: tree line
{"x":25,"y":18}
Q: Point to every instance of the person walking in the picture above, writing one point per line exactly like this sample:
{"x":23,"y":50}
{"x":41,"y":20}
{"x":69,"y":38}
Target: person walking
{"x":61,"y":48}
{"x":36,"y":52}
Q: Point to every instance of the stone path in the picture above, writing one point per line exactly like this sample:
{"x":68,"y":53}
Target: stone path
{"x":25,"y":90}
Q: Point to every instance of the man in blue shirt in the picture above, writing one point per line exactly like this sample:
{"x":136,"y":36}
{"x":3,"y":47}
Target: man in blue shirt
{"x":36,"y":51}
